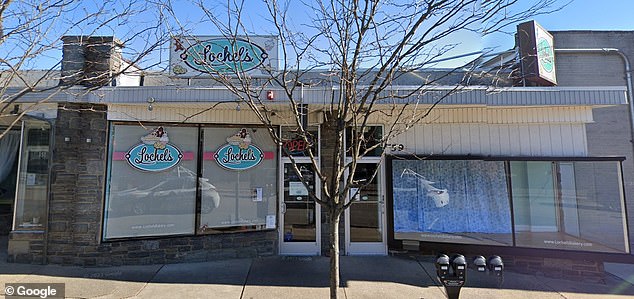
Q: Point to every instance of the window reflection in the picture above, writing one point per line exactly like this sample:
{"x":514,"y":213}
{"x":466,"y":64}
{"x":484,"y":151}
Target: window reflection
{"x":569,"y":205}
{"x":151,"y":203}
{"x":299,"y":208}
{"x":32,"y":187}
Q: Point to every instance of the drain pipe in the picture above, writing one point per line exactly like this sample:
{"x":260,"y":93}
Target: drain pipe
{"x":628,"y":74}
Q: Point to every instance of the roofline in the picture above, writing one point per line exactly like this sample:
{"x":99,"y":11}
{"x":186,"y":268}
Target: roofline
{"x":450,"y":95}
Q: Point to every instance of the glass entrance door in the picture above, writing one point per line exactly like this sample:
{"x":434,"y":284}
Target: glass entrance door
{"x":299,"y":214}
{"x":365,"y":219}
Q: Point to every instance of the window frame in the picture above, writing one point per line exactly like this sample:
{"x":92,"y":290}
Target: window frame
{"x":510,"y":249}
{"x":199,"y":169}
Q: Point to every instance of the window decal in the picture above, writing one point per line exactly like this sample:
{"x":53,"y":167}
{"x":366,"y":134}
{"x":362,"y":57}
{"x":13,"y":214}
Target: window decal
{"x":155,"y":153}
{"x":239,"y":153}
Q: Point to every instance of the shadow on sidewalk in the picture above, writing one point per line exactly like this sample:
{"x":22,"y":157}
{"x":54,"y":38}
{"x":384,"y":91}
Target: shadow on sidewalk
{"x":358,"y":274}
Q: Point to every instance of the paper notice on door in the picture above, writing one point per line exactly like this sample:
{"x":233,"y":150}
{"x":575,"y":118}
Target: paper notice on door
{"x":30,"y":179}
{"x":297,"y":189}
{"x":257,"y":194}
{"x":270,"y":221}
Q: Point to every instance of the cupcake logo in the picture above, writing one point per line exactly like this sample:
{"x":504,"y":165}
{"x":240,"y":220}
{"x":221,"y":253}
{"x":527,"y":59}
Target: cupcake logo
{"x":239,"y":153}
{"x":154,"y":153}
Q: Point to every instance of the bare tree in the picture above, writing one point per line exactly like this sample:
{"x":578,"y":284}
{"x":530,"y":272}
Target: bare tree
{"x":360,"y":51}
{"x":31,"y":39}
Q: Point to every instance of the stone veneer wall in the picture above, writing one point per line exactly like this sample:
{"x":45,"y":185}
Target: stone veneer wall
{"x":26,"y":247}
{"x":327,"y":156}
{"x":78,"y":180}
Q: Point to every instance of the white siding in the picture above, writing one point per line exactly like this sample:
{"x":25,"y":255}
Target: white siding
{"x":496,"y":140}
{"x":527,"y":131}
{"x":195,"y":113}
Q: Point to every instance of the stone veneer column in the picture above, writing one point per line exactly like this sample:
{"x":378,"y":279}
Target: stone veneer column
{"x":77,"y":183}
{"x":327,"y":155}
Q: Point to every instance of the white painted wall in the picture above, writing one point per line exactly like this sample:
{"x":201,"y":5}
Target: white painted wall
{"x":496,"y":140}
{"x":558,"y":131}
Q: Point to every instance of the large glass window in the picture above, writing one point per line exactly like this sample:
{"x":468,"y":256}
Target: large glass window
{"x":152,"y":181}
{"x":164,"y":181}
{"x":239,"y":181}
{"x":32,"y":185}
{"x":457,"y":201}
{"x":570,"y":205}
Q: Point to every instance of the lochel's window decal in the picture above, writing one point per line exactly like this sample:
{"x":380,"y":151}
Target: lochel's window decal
{"x":155,"y":153}
{"x":239,"y":153}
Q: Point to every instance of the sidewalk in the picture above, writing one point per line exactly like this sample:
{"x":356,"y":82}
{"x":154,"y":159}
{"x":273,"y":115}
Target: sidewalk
{"x":297,"y":277}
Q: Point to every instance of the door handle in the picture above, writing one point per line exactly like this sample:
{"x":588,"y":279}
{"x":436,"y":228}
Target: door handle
{"x":283,"y":208}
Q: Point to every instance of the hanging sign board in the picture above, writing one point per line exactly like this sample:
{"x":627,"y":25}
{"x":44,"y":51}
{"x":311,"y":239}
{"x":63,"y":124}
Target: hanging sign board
{"x":155,"y":153}
{"x":537,"y":54}
{"x":205,"y":56}
{"x":239,"y":153}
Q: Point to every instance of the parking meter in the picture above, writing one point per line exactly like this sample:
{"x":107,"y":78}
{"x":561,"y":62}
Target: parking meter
{"x":451,"y":273}
{"x":480,"y":263}
{"x":496,"y":266}
{"x":459,"y":266}
{"x":442,"y":266}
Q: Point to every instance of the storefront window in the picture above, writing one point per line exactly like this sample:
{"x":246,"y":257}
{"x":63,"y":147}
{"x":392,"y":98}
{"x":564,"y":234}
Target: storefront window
{"x":32,"y":186}
{"x":239,"y":181}
{"x":569,"y":205}
{"x":294,"y":144}
{"x":370,"y":138}
{"x":152,"y":181}
{"x":456,"y":201}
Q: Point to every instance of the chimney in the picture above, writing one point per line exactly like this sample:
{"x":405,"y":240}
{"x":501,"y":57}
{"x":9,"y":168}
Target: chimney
{"x":90,"y":60}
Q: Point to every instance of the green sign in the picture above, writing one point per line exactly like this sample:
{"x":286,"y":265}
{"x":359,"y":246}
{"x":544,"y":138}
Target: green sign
{"x":545,"y":55}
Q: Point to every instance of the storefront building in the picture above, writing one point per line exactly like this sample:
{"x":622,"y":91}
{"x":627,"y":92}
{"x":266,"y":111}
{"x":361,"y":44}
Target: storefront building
{"x":150,"y":174}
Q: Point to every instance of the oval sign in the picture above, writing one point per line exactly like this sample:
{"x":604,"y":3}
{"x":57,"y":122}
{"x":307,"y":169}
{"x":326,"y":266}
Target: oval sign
{"x":224,"y":56}
{"x":150,"y":158}
{"x":546,"y":55}
{"x":234,"y":157}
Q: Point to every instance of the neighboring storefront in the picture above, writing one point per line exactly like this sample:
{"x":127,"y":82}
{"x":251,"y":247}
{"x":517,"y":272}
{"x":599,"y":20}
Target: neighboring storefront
{"x":569,"y":203}
{"x":149,"y":174}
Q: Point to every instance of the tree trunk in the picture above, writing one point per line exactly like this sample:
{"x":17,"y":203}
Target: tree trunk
{"x":334,"y":254}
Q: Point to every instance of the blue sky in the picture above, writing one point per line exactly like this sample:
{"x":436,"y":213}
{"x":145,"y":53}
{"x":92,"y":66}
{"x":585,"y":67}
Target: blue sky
{"x":578,"y":15}
{"x":591,"y":15}
{"x":583,"y":15}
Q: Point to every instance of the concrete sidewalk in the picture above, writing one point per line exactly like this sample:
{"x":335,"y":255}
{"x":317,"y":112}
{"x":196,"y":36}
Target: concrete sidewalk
{"x":297,"y":277}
